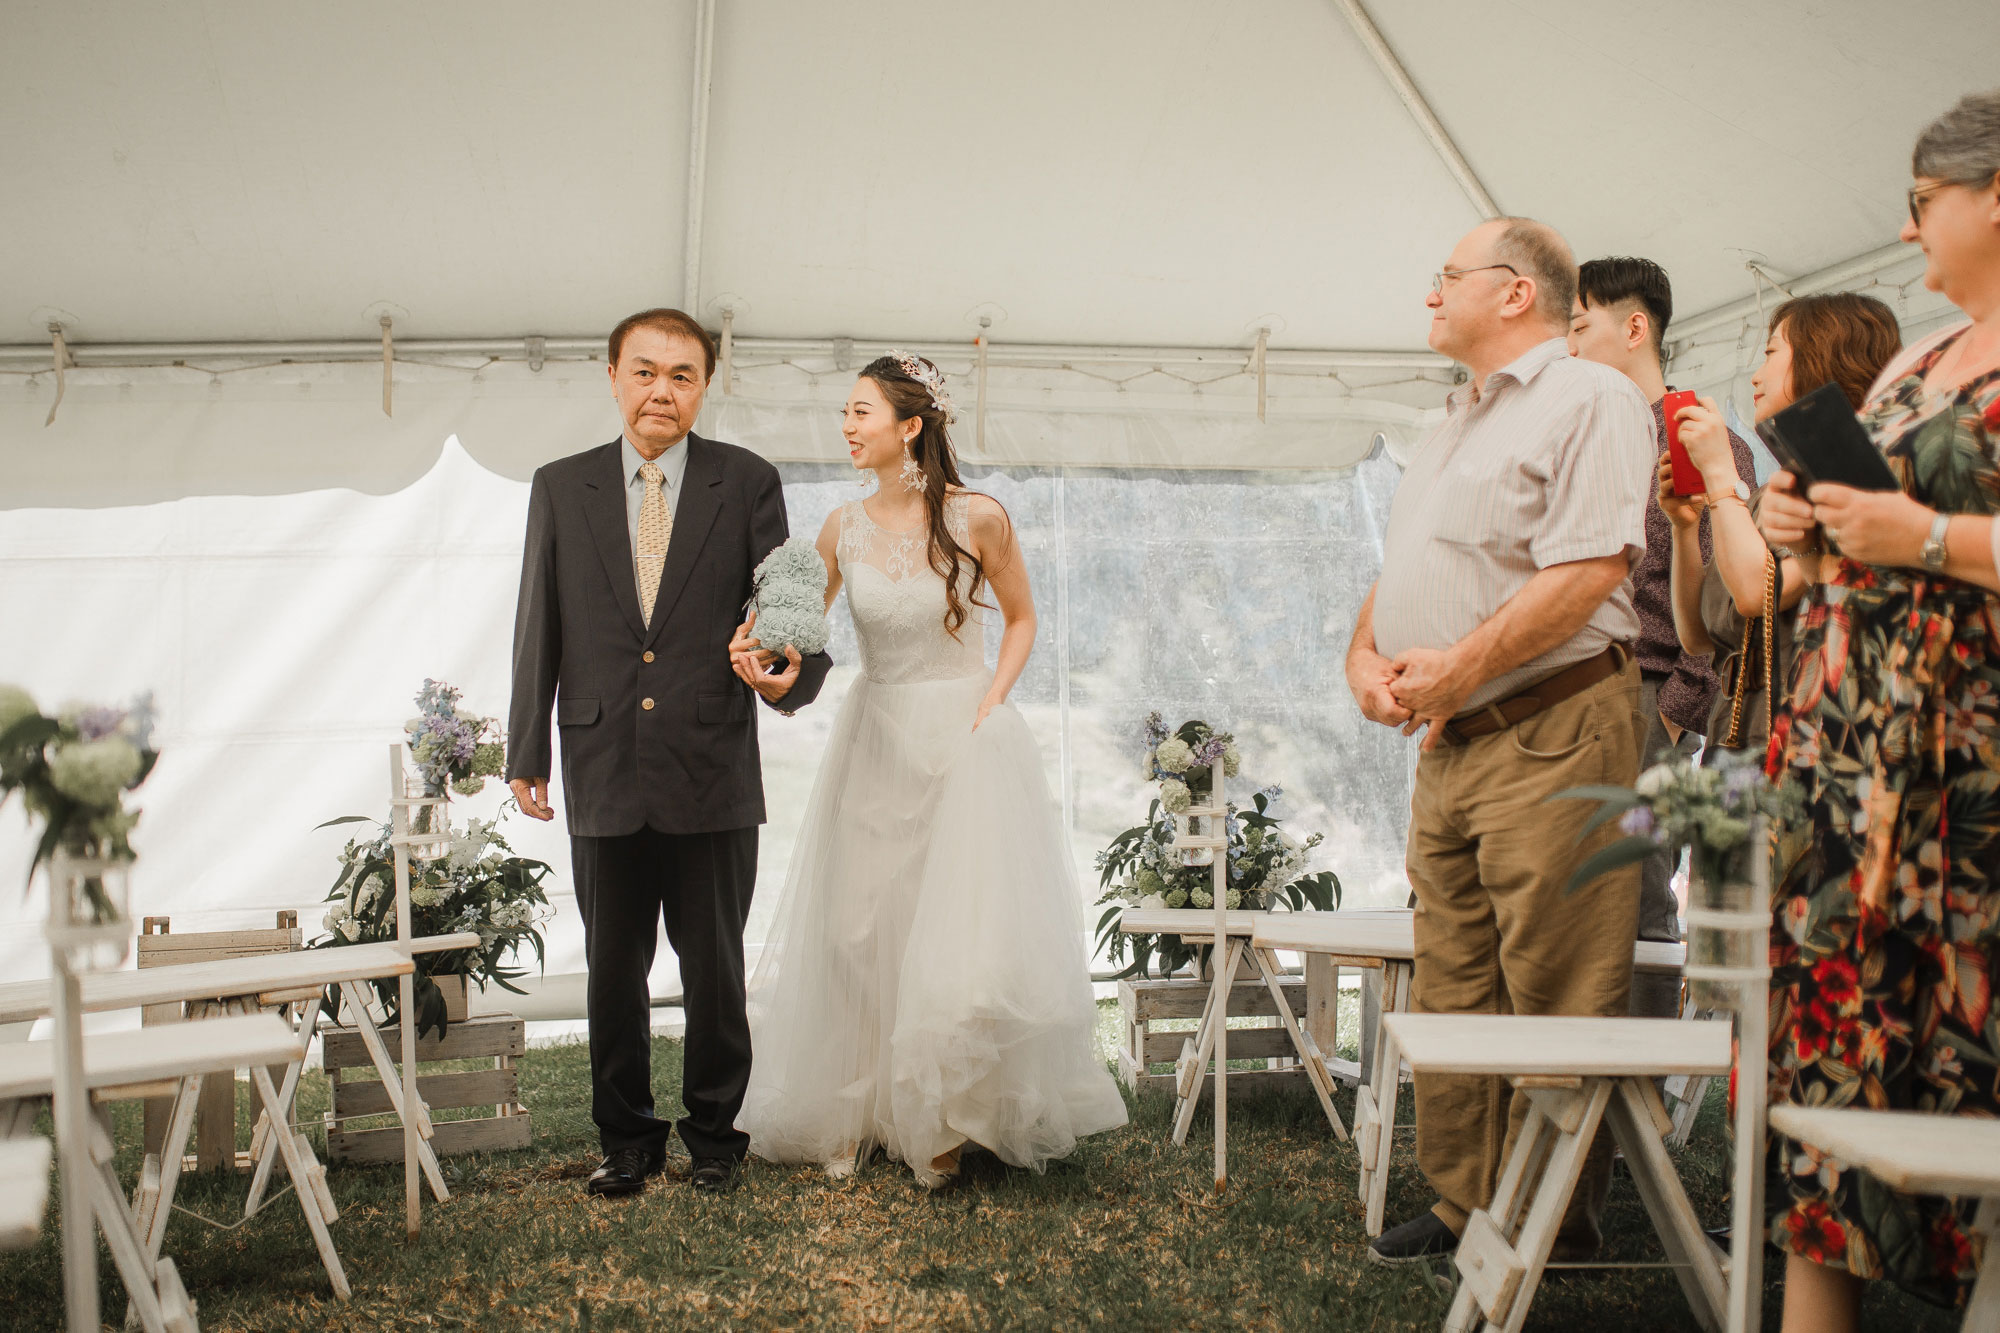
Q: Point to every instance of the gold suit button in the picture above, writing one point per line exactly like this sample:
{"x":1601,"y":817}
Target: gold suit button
{"x":646,"y":704}
{"x":645,"y":657}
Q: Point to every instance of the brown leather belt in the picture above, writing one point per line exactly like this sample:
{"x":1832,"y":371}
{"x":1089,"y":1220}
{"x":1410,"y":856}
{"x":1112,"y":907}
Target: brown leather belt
{"x":1543,"y":694}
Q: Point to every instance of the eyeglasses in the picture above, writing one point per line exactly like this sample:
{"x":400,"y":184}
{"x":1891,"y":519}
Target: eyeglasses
{"x":1437,"y":278}
{"x":1918,"y":195}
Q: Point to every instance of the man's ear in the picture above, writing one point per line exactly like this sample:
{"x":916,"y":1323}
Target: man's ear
{"x":1638,"y":329}
{"x":1522,"y":295}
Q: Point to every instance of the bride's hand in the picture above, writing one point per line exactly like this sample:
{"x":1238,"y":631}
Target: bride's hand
{"x":986,"y":706}
{"x":741,"y":642}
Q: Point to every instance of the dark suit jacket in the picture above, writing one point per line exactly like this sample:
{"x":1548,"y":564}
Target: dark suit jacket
{"x":657,"y":731}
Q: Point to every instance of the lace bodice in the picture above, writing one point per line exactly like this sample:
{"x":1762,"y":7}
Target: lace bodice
{"x":898,"y":602}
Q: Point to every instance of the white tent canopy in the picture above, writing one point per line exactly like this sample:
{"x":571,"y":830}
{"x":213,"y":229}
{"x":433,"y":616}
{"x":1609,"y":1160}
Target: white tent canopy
{"x":215,"y":206}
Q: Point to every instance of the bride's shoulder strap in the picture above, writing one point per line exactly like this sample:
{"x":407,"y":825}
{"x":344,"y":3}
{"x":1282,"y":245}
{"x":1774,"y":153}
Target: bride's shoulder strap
{"x":852,"y":546}
{"x":958,"y":517}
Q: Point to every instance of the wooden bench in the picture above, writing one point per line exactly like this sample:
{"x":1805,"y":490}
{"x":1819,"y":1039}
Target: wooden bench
{"x":24,"y":1190}
{"x":1576,"y":1073}
{"x":1382,"y":946}
{"x":238,"y":985}
{"x":123,"y":1064}
{"x":1953,"y":1155}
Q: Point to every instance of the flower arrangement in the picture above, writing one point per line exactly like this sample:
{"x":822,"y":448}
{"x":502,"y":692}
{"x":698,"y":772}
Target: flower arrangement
{"x":790,"y":598}
{"x":73,"y":770}
{"x":1183,"y":760}
{"x":477,"y":885}
{"x":453,"y":746}
{"x":1264,"y":865}
{"x":1710,"y":811}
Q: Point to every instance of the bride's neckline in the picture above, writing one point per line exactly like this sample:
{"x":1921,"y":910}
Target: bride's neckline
{"x":899,"y":532}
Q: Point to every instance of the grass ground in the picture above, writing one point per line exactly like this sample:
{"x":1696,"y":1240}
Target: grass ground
{"x":1125,"y":1235}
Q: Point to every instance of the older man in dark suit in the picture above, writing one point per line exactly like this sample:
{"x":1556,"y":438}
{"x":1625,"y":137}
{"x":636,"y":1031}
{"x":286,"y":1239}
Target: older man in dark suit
{"x":636,"y":569}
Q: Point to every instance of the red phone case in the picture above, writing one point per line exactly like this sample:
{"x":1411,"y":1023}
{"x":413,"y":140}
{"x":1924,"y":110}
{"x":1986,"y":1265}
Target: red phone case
{"x":1687,"y":477}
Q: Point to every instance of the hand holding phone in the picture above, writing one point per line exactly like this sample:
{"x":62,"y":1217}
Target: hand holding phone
{"x":1687,"y":477}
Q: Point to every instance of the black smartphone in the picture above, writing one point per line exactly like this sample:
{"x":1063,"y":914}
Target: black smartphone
{"x":1819,"y":438}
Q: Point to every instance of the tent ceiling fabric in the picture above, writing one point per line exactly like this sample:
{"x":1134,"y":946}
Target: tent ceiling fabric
{"x":1134,"y":172}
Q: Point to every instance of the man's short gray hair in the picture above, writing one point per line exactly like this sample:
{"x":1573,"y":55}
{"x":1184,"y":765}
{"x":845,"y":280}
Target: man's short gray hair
{"x":1963,"y":145}
{"x":1538,"y":251}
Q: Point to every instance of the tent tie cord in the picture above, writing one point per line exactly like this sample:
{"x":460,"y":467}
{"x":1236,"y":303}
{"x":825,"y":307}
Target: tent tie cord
{"x":61,"y":350}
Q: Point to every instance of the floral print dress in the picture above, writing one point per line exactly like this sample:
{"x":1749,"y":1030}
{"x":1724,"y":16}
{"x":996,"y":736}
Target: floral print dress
{"x":1887,"y":901}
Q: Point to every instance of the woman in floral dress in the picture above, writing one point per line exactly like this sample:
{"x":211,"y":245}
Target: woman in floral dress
{"x":1886,"y":933}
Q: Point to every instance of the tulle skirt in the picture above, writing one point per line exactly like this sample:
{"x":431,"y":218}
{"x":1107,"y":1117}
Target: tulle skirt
{"x":926,"y":983}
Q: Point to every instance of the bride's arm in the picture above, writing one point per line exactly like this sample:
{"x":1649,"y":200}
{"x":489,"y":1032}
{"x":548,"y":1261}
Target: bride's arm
{"x":829,"y":548}
{"x":999,"y":553}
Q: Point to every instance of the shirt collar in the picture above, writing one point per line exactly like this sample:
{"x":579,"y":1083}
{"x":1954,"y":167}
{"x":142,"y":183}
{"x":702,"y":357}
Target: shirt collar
{"x":673,"y":462}
{"x":1522,"y":370}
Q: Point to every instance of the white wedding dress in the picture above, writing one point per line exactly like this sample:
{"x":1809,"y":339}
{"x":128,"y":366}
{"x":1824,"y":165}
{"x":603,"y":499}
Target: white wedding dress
{"x":926,"y":983}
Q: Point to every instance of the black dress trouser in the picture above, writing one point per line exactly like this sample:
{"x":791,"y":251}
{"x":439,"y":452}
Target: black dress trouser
{"x":700,"y":884}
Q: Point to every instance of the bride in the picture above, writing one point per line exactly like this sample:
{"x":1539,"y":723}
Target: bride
{"x":926,"y":987}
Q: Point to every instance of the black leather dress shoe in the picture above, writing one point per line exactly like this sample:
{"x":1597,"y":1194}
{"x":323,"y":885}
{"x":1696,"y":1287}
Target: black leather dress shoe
{"x":1422,"y":1237}
{"x":625,"y":1171}
{"x":714,"y":1175}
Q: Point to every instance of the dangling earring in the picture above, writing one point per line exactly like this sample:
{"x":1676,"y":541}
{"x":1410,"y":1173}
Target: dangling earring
{"x":912,"y":475}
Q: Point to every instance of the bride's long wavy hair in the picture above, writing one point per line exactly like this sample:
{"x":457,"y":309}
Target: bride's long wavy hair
{"x":933,"y":453}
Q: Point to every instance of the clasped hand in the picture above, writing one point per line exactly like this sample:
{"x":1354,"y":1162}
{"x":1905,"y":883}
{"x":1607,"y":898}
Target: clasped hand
{"x":750,"y":660}
{"x":1421,"y":687}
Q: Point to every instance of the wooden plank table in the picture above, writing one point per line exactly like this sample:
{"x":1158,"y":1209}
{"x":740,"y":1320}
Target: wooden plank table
{"x":1576,"y":1073}
{"x":114,"y":1061}
{"x":1197,"y":925}
{"x":1953,"y":1155}
{"x":1382,"y":945}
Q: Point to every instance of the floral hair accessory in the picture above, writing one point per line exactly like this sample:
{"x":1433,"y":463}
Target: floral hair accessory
{"x":928,"y":375}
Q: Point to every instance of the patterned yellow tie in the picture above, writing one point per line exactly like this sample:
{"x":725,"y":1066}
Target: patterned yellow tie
{"x":656,"y":529}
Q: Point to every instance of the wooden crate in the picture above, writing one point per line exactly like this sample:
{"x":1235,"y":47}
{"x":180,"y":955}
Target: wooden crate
{"x":499,"y":1037}
{"x":1147,"y":1054}
{"x":215,"y":1111}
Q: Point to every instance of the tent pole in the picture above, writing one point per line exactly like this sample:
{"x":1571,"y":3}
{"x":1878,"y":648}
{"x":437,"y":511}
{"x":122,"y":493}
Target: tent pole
{"x":697,"y":180}
{"x":1420,"y":110}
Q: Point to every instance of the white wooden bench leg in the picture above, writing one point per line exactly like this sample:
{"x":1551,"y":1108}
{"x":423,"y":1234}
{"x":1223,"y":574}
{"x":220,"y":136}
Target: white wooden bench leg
{"x":1659,"y":1186}
{"x":263,"y":1146}
{"x":1376,"y":1103}
{"x":1302,"y":1041}
{"x":180,"y":1123}
{"x":1501,"y":1264}
{"x":107,"y":1206}
{"x":311,"y":1194}
{"x":392,"y":1087}
{"x":1187,"y":1087}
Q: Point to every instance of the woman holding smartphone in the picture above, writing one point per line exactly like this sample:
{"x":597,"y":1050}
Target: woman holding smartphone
{"x":1839,"y":338}
{"x":1886,"y":896}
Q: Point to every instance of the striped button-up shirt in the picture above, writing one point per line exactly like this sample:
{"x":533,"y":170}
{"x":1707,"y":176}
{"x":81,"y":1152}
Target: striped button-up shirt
{"x":1549,"y":461}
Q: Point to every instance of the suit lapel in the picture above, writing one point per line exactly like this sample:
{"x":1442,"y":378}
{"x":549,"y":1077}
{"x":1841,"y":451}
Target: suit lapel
{"x":694,"y":515}
{"x":604,"y":512}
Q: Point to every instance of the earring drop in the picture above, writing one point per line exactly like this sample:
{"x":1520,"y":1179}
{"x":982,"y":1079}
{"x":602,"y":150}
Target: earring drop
{"x":912,"y":476}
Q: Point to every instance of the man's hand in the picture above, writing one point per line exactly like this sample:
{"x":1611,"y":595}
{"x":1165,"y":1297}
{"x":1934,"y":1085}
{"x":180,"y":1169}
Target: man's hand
{"x":1683,"y":511}
{"x":1368,"y":677}
{"x":1785,"y":517}
{"x":532,"y":795}
{"x":749,"y":668}
{"x":1874,"y":527}
{"x":742,"y":641}
{"x":1430,"y":683}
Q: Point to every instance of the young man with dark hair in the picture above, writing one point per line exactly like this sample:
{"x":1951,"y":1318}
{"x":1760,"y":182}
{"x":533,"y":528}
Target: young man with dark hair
{"x":1620,"y":320}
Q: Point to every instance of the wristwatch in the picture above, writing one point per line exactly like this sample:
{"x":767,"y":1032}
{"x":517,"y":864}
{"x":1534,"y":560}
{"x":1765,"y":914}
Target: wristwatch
{"x":1933,"y":554}
{"x":1741,"y":492}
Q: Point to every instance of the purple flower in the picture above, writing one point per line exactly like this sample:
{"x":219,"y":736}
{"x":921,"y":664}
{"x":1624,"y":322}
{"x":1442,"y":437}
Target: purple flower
{"x":1637,"y":821}
{"x":95,"y":723}
{"x":1209,"y":752}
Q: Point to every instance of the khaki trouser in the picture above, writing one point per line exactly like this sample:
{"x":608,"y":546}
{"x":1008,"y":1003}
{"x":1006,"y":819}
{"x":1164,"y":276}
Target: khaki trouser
{"x":1489,"y":856}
